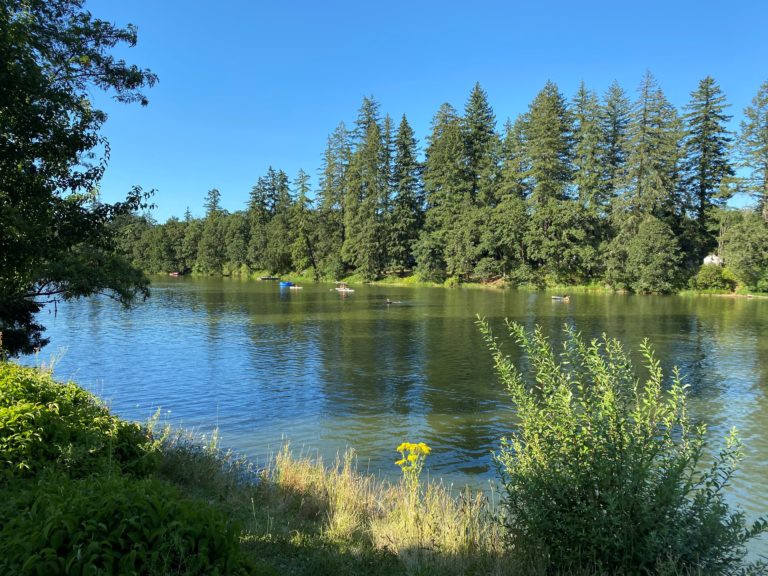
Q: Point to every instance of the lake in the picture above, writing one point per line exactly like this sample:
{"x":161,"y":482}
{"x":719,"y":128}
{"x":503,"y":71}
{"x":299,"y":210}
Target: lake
{"x":329,"y":371}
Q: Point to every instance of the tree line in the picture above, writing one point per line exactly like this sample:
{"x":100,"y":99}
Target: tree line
{"x":605,"y":189}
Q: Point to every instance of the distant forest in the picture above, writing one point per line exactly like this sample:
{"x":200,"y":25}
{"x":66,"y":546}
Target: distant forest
{"x":628,"y":193}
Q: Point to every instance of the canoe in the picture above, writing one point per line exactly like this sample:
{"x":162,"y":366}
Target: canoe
{"x":286,"y":284}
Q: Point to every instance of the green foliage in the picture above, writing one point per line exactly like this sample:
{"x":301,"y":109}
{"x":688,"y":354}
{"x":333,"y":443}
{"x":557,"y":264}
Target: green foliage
{"x":653,"y":257}
{"x":48,"y":425}
{"x":614,"y":120}
{"x":650,"y":176}
{"x":430,"y":262}
{"x":714,"y":277}
{"x":753,"y":148}
{"x":113,"y":525}
{"x":745,"y":249}
{"x":407,"y":214}
{"x":706,"y":165}
{"x":604,"y":472}
{"x":77,"y":494}
{"x":55,"y":238}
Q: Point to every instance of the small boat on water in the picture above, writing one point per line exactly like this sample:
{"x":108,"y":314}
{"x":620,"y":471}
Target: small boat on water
{"x":285,"y":284}
{"x":343,"y":287}
{"x":268,"y":278}
{"x":563,"y":298}
{"x":294,"y":287}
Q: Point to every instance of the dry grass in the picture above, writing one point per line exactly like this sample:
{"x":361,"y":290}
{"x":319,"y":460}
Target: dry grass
{"x":433,"y":530}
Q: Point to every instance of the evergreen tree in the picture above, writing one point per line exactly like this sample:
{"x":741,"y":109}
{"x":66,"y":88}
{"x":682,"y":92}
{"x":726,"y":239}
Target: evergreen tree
{"x":556,"y":225}
{"x":649,"y":180}
{"x":650,"y":174}
{"x":277,"y":253}
{"x":482,"y":146}
{"x":592,"y":175}
{"x":448,"y":187}
{"x":504,"y":234}
{"x":258,"y":216}
{"x":753,"y":148}
{"x":706,"y":166}
{"x":446,"y":178}
{"x":589,"y":154}
{"x":407,"y":205}
{"x":304,"y":227}
{"x":211,"y":253}
{"x":236,"y":236}
{"x":549,"y":140}
{"x":653,"y":256}
{"x":332,"y":196}
{"x":367,"y":116}
{"x":616,"y":116}
{"x":364,"y":245}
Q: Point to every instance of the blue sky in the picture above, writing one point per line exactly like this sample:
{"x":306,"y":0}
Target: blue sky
{"x":245,"y":85}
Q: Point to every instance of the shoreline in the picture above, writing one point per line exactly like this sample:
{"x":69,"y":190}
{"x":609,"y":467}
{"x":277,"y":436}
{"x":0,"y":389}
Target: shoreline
{"x":452,"y":283}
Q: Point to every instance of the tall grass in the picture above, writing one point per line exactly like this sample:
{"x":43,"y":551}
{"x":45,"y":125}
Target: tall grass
{"x":430,"y":530}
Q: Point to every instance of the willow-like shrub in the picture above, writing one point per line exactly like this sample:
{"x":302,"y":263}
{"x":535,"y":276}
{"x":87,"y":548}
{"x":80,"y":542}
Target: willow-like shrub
{"x":603,"y":472}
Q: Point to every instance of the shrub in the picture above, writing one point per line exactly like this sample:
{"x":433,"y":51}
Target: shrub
{"x":604,"y":472}
{"x":714,"y":277}
{"x":46,"y":424}
{"x":112,"y":525}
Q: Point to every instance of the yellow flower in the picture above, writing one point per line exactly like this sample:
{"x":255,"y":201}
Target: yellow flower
{"x":424,"y":448}
{"x":403,"y":447}
{"x":412,"y":457}
{"x":400,"y":462}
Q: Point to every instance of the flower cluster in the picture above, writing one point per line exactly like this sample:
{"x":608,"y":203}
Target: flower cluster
{"x":412,"y":461}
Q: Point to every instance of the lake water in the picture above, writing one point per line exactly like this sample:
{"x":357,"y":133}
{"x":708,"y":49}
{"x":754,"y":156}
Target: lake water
{"x":328,"y":371}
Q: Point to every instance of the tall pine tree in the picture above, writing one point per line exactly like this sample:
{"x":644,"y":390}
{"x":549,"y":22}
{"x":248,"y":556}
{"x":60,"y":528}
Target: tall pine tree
{"x":706,"y":165}
{"x":482,"y":145}
{"x":650,"y":174}
{"x":556,"y":228}
{"x":364,"y":244}
{"x":753,"y":148}
{"x":615,"y":119}
{"x":331,"y":202}
{"x":407,"y":213}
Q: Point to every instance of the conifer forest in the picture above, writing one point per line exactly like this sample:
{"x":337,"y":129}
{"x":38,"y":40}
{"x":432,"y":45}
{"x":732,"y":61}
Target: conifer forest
{"x":619,"y":189}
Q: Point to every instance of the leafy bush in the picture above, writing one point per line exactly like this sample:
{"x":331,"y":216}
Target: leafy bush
{"x":112,"y":525}
{"x":714,"y":277}
{"x":46,"y":424}
{"x":603,"y":472}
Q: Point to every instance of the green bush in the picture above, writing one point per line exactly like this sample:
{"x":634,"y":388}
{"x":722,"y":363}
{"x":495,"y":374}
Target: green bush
{"x":46,"y":424}
{"x":604,"y":471}
{"x":112,"y":525}
{"x":714,"y":277}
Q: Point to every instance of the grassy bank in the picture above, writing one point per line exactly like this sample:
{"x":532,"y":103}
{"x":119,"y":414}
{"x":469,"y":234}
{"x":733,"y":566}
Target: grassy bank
{"x":82,"y":491}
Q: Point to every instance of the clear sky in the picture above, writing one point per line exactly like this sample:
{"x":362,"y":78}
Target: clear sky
{"x":249,"y":84}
